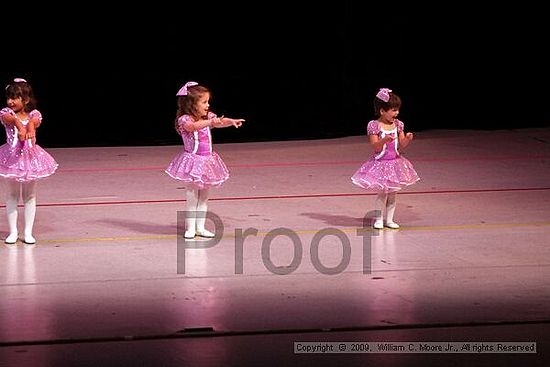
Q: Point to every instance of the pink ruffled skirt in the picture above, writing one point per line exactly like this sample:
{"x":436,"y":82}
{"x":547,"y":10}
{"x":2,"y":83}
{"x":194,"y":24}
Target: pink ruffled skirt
{"x":386,"y":176}
{"x":23,"y":163}
{"x":198,"y":171}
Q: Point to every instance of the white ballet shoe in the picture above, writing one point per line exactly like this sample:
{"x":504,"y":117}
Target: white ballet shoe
{"x":29,"y":239}
{"x":189,"y":234}
{"x":392,"y":225}
{"x":205,"y":233}
{"x":11,"y":239}
{"x":378,"y":224}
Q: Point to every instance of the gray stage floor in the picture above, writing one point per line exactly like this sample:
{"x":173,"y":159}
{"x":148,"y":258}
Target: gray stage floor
{"x":108,"y":285}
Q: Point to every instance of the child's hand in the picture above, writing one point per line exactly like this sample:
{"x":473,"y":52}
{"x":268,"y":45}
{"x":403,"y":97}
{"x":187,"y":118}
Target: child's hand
{"x":236,"y":122}
{"x":388,"y":139}
{"x":226,"y":121}
{"x":409,"y":136}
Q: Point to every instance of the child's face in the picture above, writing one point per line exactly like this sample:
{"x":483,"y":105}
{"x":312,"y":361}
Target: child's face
{"x":203,"y":105}
{"x":389,"y":116}
{"x":16,"y":104}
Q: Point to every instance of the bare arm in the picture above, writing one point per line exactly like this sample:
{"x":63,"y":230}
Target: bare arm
{"x":226,"y":122}
{"x":31,"y":130}
{"x":192,"y":126}
{"x":405,"y":139}
{"x":212,"y":122}
{"x":377,"y":143}
{"x":13,"y":121}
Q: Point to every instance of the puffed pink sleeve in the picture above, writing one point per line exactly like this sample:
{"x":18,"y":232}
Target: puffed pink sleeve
{"x":182,"y":120}
{"x":211,"y":115}
{"x":400,"y":126}
{"x":35,"y":114}
{"x":373,"y":128}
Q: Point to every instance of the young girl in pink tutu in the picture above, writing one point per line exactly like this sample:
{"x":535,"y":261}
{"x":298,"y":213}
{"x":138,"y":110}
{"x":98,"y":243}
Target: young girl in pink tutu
{"x":22,"y":162}
{"x":386,"y":172}
{"x":197,"y":165}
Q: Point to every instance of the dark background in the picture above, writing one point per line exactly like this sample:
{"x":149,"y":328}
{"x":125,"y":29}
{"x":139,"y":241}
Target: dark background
{"x":107,"y":76}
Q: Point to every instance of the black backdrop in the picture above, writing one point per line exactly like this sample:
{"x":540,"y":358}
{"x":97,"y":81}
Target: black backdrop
{"x":293,"y":71}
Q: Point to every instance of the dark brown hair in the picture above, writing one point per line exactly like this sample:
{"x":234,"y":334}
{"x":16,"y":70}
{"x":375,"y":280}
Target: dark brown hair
{"x":187,"y":103}
{"x":24,"y":90}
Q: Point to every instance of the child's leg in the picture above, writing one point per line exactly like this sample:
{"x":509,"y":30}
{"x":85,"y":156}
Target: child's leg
{"x":202,"y":209}
{"x":29,"y":198}
{"x":390,"y":209}
{"x":379,"y":206}
{"x":192,"y":198}
{"x":12,"y":198}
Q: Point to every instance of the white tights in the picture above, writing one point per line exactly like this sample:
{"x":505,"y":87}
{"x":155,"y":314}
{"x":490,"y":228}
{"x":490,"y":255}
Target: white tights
{"x":385,"y":202}
{"x":28,"y":191}
{"x":197,"y":207}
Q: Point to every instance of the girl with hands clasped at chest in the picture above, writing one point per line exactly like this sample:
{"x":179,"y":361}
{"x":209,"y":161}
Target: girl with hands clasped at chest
{"x":386,"y":172}
{"x":198,"y":166}
{"x":22,"y":162}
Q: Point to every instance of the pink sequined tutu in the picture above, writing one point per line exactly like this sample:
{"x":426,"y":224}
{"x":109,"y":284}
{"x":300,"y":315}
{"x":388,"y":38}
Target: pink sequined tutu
{"x":385,"y":175}
{"x":23,"y":162}
{"x":198,"y":171}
